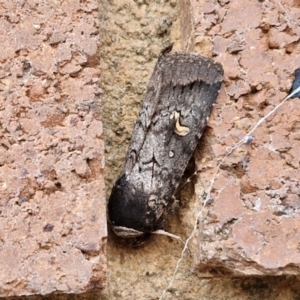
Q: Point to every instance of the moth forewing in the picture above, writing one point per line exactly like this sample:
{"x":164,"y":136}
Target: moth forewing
{"x":173,"y":116}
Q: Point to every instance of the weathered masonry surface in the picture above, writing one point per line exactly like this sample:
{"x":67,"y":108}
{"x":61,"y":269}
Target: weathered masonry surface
{"x":52,"y":200}
{"x":53,"y":224}
{"x":252,"y":225}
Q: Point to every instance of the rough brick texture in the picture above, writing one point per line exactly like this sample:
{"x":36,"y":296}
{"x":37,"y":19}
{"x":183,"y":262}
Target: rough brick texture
{"x":52,"y":201}
{"x":251,"y":226}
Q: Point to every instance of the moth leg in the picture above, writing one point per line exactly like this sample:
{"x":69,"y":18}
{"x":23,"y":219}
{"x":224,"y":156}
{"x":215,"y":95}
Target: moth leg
{"x":188,"y":180}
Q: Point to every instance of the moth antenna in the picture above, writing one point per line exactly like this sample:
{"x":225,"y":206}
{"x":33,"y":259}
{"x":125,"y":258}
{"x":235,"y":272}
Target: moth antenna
{"x":162,"y":232}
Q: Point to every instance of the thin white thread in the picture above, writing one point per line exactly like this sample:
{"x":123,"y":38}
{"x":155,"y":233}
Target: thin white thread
{"x":286,"y":12}
{"x":238,"y":144}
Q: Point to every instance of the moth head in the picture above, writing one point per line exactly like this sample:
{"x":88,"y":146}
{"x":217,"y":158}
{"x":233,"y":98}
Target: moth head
{"x":128,"y":211}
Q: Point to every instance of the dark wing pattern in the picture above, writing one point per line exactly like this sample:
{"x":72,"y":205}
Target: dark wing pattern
{"x":173,"y":116}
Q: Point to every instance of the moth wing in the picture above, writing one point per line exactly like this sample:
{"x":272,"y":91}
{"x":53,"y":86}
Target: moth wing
{"x":173,"y":116}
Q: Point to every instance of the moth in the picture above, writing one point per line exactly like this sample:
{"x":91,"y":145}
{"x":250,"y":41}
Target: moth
{"x":179,"y":99}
